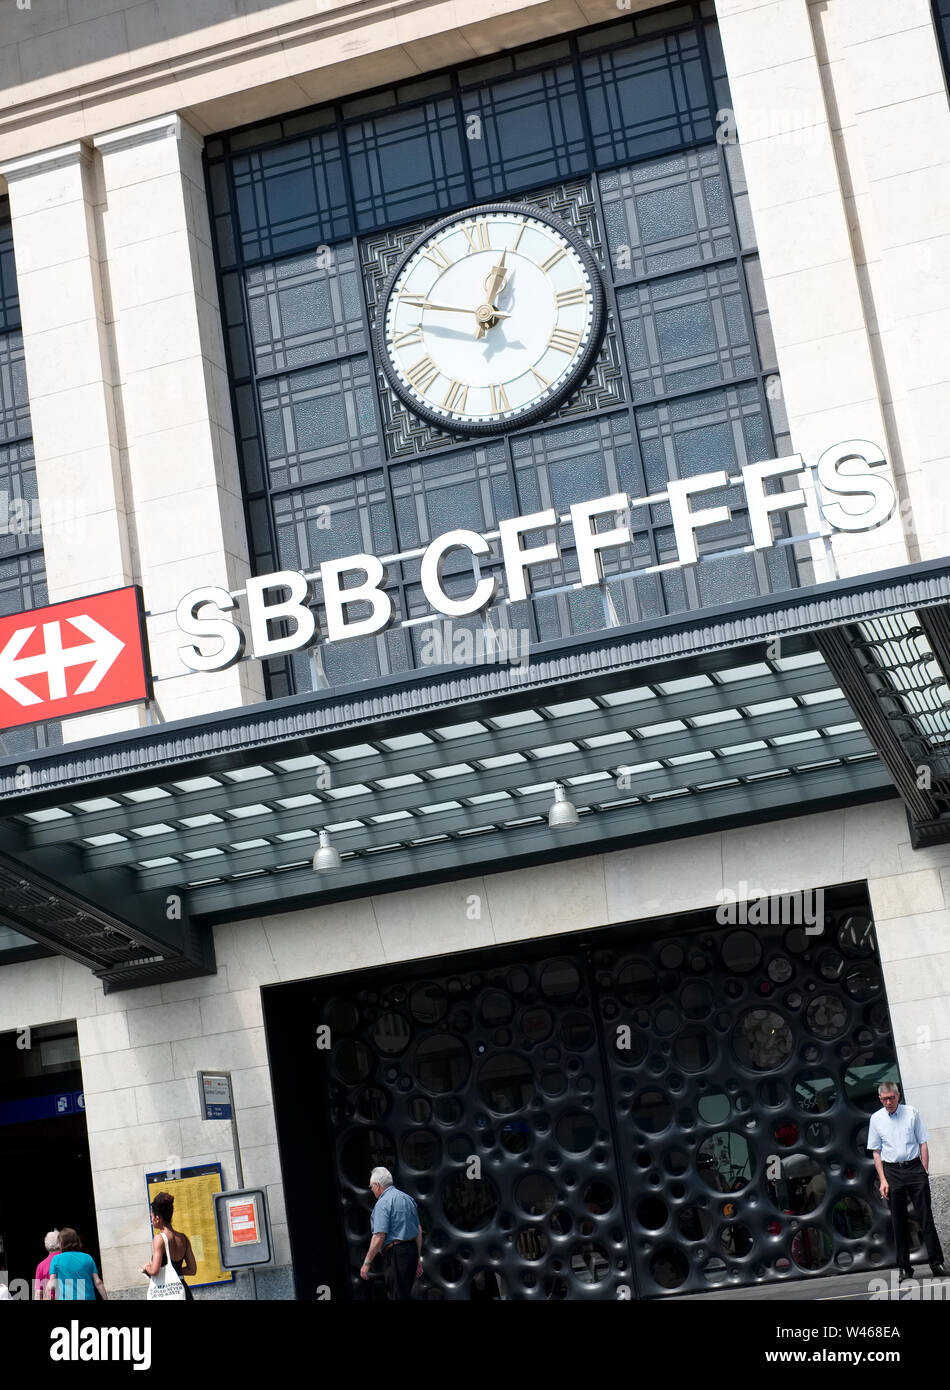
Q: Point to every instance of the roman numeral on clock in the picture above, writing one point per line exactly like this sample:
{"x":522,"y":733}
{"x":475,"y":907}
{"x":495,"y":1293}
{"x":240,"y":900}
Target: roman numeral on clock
{"x":455,"y":397}
{"x":499,"y":401}
{"x":411,"y":335}
{"x":565,"y":340}
{"x":565,"y":297}
{"x":477,"y":236}
{"x":422,"y":373}
{"x":437,"y":256}
{"x":553,"y":259}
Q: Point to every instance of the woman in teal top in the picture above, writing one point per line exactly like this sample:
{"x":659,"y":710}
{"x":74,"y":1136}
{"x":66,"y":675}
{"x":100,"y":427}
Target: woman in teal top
{"x":73,"y":1272}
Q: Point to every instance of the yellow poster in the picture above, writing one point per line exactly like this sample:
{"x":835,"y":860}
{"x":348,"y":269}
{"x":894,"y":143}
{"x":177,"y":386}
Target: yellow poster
{"x":193,"y":1191}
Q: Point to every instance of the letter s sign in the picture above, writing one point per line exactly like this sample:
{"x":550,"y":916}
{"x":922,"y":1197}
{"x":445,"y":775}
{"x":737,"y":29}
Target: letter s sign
{"x":872,"y":489}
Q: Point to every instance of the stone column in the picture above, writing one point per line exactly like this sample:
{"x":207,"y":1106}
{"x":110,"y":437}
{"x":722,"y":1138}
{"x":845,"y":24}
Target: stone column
{"x":899,"y":138}
{"x":812,"y":285}
{"x":71,"y":375}
{"x":182,"y":461}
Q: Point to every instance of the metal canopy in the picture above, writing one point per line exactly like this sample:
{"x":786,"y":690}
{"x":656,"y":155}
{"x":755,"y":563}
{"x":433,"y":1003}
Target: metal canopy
{"x":683,"y":727}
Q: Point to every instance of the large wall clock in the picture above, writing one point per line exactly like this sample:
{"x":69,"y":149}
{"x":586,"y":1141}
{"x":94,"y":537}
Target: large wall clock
{"x":491,"y":319}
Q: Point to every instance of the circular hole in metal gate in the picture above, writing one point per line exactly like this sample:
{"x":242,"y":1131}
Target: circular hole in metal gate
{"x":363,"y":1150}
{"x":669,"y":1267}
{"x":694,"y":1049}
{"x":780,"y":970}
{"x":676,"y":1161}
{"x":736,"y":1240}
{"x":428,"y":1003}
{"x":786,"y":1133}
{"x":391,"y":1034}
{"x":671,"y":955}
{"x":421,"y":1149}
{"x":698,"y":963}
{"x":652,"y":1213}
{"x":851,"y":1217}
{"x":459,"y":1148}
{"x":496,"y":1008}
{"x":532,"y":1243}
{"x":553,"y":1083}
{"x":589,"y":1263}
{"x":372,"y":1102}
{"x":577,"y":1032}
{"x":796,"y":942}
{"x":694,"y":1223}
{"x":535,"y":1193}
{"x":469,"y":1204}
{"x":741,"y":952}
{"x":506,"y":1083}
{"x":772,"y":1093}
{"x":815,"y":1092}
{"x":715,"y":1270}
{"x":561,"y":1221}
{"x":420,"y":1109}
{"x":725,"y":1161}
{"x":518,"y":979}
{"x":856,"y":935}
{"x":340,"y":1016}
{"x":666,"y":1020}
{"x":817,"y":1134}
{"x":844,"y":1259}
{"x":598,"y":1197}
{"x":576,"y":1131}
{"x":826,"y":1016}
{"x":559,"y":981}
{"x":762,"y":1040}
{"x":863,"y":982}
{"x":636,"y":984}
{"x":714,"y":1108}
{"x":801,"y":1185}
{"x":352,"y":1060}
{"x":516,"y":1136}
{"x":441,"y":1063}
{"x":651,"y":1111}
{"x":811,"y":1248}
{"x":451,"y":1269}
{"x":448,"y":1110}
{"x":627,"y":1045}
{"x":535,"y":1023}
{"x":830,"y":965}
{"x":696,"y":999}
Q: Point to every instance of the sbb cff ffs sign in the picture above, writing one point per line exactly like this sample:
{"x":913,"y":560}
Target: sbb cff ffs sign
{"x":86,"y":654}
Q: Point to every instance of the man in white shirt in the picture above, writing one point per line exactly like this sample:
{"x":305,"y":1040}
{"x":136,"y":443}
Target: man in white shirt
{"x":897,"y":1137}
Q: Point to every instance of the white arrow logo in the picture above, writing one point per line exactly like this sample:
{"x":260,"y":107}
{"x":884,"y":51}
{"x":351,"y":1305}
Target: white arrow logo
{"x":102,"y":649}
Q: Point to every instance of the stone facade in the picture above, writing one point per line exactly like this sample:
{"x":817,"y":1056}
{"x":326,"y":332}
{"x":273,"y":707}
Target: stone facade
{"x":845,"y":126}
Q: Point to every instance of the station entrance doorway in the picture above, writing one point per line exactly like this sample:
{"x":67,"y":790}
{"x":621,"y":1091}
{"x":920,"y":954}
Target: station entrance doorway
{"x":635,"y":1112}
{"x":44,"y":1147}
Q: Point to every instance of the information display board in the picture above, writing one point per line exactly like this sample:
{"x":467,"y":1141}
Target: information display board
{"x":194,"y":1192}
{"x":244,"y":1231}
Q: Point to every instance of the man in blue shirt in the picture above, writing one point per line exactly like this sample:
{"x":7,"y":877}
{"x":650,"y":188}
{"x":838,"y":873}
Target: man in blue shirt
{"x":396,"y":1231}
{"x":897,"y":1137}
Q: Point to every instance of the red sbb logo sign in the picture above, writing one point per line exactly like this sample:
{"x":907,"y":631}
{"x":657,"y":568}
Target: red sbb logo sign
{"x":73,"y":657}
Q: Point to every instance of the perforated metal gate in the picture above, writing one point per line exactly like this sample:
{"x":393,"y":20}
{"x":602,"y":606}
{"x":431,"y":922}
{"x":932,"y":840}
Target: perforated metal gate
{"x":664,"y":1112}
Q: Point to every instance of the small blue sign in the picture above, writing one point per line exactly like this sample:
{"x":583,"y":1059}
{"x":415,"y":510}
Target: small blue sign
{"x":16,"y":1112}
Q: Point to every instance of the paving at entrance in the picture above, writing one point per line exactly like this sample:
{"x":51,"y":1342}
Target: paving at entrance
{"x":836,"y":1288}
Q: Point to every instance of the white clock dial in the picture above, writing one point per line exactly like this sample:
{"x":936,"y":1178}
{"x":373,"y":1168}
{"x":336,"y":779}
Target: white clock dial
{"x":491,"y":319}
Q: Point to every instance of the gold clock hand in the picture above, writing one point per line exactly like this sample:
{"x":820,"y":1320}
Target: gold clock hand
{"x":418,"y":302}
{"x":494,"y":284}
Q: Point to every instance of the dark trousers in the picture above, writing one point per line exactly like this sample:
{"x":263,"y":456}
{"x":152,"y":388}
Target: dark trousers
{"x":914,"y":1183}
{"x":399,"y":1267}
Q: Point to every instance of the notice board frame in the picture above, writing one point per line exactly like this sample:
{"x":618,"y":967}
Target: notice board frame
{"x":162,"y":1175}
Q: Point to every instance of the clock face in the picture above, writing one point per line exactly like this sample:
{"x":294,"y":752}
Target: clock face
{"x":491,"y":319}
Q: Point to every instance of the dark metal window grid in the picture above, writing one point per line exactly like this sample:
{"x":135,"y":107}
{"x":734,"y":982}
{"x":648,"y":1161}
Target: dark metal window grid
{"x":719,"y":295}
